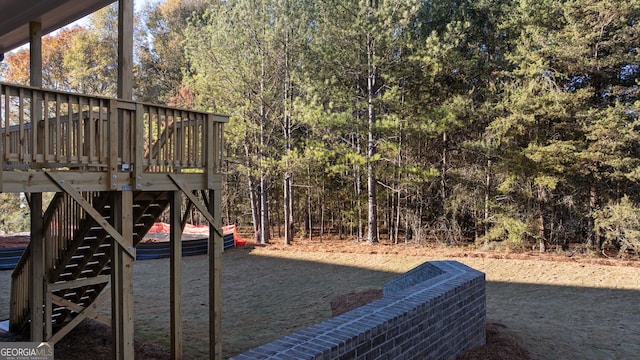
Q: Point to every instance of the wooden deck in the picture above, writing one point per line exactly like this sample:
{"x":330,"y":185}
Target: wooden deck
{"x":115,"y":166}
{"x":103,"y":144}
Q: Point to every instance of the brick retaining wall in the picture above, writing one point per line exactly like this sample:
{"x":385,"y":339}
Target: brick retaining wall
{"x":434,"y":311}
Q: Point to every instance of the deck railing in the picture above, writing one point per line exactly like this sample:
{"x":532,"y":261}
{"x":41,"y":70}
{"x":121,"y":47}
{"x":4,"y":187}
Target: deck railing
{"x":19,"y":312}
{"x":58,"y":130}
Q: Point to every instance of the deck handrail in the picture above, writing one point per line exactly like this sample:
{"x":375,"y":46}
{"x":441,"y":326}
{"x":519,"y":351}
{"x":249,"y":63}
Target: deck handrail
{"x":92,"y":133}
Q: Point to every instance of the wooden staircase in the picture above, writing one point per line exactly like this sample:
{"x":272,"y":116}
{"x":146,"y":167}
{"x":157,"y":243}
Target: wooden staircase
{"x":78,"y":255}
{"x":114,"y":166}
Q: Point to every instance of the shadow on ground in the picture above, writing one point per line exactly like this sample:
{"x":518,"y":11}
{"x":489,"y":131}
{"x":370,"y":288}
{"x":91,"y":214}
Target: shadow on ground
{"x":267,"y":295}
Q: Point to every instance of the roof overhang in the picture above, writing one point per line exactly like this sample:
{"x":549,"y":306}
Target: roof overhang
{"x":52,"y":14}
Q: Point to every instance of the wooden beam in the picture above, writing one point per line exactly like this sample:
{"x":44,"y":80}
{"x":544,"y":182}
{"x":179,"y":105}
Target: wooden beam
{"x":122,"y":278}
{"x":176,"y":274}
{"x":138,"y":146}
{"x":126,"y":244}
{"x":35,"y":63}
{"x":114,"y":144}
{"x":125,"y":49}
{"x":30,"y":181}
{"x":160,"y":181}
{"x":67,"y":328}
{"x":35,"y":54}
{"x":49,"y":262}
{"x":197,"y":203}
{"x":101,"y":279}
{"x":185,"y":215}
{"x":85,"y":311}
{"x":48,"y":315}
{"x":215,"y":277}
{"x":211,"y":155}
{"x":38,"y":272}
{"x":90,"y":311}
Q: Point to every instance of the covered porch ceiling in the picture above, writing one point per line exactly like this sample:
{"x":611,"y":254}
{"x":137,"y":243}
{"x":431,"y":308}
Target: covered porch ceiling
{"x":52,"y":14}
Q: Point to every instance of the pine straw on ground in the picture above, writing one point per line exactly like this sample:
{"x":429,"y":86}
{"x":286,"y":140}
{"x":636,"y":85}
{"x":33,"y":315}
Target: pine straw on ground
{"x":499,"y":346}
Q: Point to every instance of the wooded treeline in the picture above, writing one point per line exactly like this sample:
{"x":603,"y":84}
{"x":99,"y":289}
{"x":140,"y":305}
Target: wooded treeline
{"x":509,"y":123}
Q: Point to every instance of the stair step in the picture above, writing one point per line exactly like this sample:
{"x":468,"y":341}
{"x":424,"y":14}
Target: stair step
{"x":88,"y":253}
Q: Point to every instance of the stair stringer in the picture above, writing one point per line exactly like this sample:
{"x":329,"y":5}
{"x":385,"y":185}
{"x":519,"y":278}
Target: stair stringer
{"x":81,"y":260}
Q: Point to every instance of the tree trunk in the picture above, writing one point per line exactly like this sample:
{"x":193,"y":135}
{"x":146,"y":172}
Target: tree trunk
{"x":264,"y":228}
{"x":252,"y":198}
{"x":397,"y":228}
{"x":288,"y":209}
{"x":372,"y":214}
{"x":309,"y":215}
{"x":358,"y":189}
{"x":541,"y":228}
{"x":321,"y":203}
{"x":487,"y":197}
{"x":592,"y":238}
{"x":288,"y":176}
{"x":443,"y":173}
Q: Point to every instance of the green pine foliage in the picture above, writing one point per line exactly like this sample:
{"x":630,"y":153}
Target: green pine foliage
{"x":619,"y":225}
{"x":504,"y":123}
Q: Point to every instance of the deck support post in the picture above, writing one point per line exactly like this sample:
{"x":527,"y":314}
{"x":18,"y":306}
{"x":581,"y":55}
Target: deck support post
{"x":38,"y":271}
{"x":122,"y":278}
{"x":213,"y":213}
{"x":176,"y":274}
{"x":215,"y":275}
{"x":125,"y":49}
{"x":35,"y":54}
{"x":121,"y":259}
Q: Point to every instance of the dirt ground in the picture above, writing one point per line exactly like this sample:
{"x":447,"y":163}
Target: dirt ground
{"x":547,"y":306}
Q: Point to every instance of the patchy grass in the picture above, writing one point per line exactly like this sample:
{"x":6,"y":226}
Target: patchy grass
{"x":266,"y":294}
{"x":556,"y":307}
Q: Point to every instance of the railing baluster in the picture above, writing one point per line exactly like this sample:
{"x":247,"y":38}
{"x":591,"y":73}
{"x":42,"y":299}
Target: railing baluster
{"x":170,"y":150}
{"x":46,"y":131}
{"x":79,"y":126}
{"x":21,"y":143}
{"x":192,"y":145}
{"x":101,"y":138}
{"x":34,"y":121}
{"x":180,"y":142}
{"x":57,"y":136}
{"x":7,"y":124}
{"x":68,"y":137}
{"x":149,"y":134}
{"x":138,"y":146}
{"x":75,"y":122}
{"x":90,"y":134}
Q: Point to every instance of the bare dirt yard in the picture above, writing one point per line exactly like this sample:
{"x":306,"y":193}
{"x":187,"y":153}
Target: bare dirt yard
{"x":548,"y":306}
